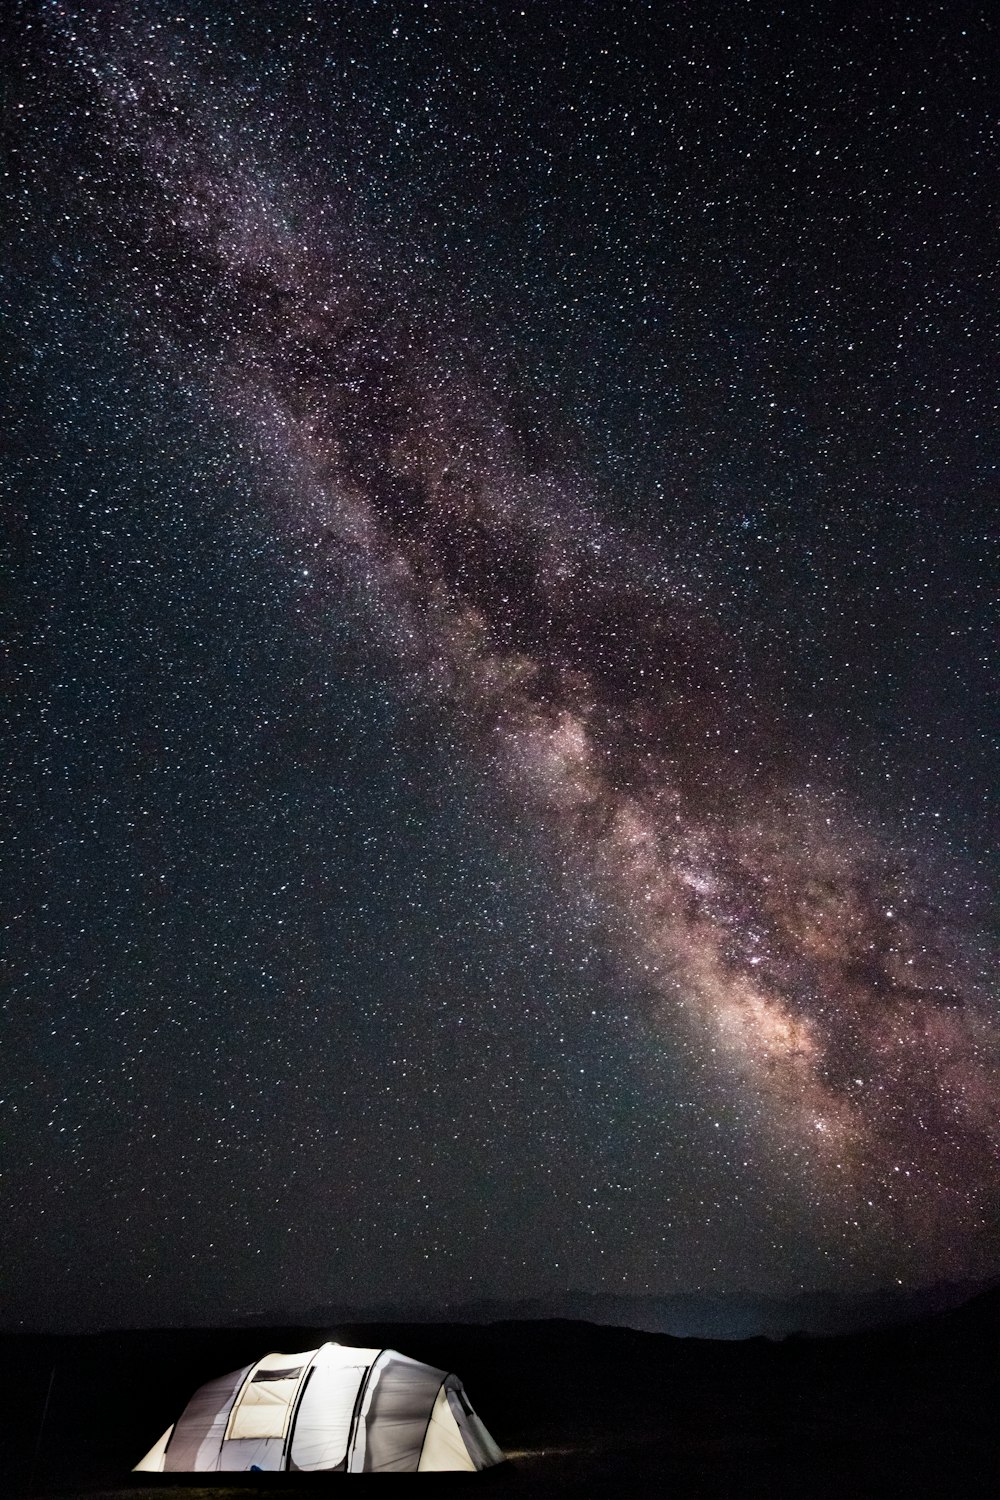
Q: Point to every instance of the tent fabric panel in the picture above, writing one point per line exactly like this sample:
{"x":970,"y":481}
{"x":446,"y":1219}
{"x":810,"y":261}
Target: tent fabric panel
{"x":444,"y":1447}
{"x":481,"y":1447}
{"x":289,"y":1364}
{"x":198,"y":1434}
{"x":356,"y":1444}
{"x":323,"y":1421}
{"x":241,"y":1454}
{"x":263,"y":1408}
{"x":153,"y":1461}
{"x":347,"y":1353}
{"x":396,"y":1417}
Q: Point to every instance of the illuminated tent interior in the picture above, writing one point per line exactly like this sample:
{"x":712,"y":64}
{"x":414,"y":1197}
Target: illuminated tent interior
{"x":332,"y":1408}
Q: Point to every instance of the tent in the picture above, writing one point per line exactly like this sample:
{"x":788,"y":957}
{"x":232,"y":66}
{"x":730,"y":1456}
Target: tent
{"x":356,"y":1410}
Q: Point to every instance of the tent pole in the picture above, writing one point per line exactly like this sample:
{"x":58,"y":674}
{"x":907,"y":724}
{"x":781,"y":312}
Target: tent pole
{"x":41,"y":1429}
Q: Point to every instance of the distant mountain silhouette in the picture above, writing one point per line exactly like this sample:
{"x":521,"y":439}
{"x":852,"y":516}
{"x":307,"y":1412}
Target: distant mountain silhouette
{"x":683,"y":1315}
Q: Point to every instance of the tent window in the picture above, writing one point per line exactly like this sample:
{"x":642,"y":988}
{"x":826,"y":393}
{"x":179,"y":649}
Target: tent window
{"x":292,"y":1374}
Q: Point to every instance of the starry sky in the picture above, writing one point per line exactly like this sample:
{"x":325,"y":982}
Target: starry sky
{"x":499,"y":527}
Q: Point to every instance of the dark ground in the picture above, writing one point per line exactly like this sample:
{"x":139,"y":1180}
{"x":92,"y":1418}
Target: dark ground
{"x":579,"y":1410}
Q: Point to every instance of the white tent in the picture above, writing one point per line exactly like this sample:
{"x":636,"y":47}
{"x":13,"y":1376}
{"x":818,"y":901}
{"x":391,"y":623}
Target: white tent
{"x":356,"y":1410}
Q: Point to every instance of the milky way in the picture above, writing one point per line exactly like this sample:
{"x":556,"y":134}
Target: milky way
{"x":828,"y":977}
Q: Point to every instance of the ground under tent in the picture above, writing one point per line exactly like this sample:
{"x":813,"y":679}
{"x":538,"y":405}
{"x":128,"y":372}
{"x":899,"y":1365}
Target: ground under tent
{"x":332,"y":1408}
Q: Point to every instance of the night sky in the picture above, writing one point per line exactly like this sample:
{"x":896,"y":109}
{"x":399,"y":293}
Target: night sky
{"x":498,"y":653}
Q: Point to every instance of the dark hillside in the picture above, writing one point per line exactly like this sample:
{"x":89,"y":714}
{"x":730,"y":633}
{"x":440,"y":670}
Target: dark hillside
{"x":579,"y":1409}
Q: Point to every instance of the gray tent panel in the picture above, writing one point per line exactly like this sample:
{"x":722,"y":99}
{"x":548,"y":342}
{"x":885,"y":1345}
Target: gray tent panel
{"x":197,"y":1436}
{"x":396,"y":1419}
